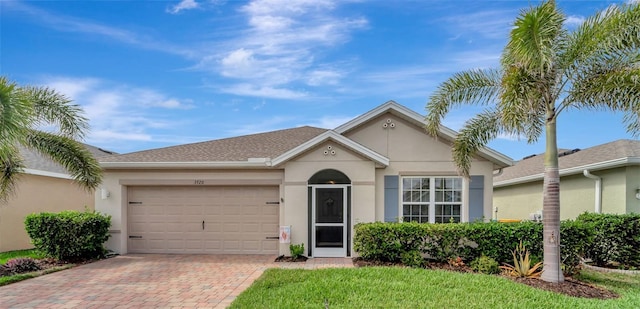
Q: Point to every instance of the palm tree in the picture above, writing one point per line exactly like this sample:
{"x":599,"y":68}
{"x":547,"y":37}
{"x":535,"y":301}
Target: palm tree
{"x":22,"y":111}
{"x":544,"y":71}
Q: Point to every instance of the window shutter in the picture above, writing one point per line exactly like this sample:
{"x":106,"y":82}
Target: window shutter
{"x":476,"y":198}
{"x":391,"y":197}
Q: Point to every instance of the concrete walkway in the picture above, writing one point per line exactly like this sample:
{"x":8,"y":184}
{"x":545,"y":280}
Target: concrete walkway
{"x":150,"y":281}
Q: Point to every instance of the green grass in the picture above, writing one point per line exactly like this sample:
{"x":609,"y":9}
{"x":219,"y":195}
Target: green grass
{"x":393,"y":287}
{"x":32,"y":253}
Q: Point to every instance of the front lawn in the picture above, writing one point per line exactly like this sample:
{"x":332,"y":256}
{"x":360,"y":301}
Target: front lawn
{"x":395,"y":287}
{"x":34,"y":254}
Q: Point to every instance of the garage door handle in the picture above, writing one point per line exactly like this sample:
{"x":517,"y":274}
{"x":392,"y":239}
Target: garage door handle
{"x":273,"y":237}
{"x":203,"y":224}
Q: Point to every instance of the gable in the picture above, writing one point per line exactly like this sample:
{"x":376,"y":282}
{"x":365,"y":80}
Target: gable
{"x":400,"y":140}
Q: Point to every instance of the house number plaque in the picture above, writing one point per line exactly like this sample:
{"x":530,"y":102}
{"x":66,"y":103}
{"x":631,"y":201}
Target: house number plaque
{"x":198,"y":182}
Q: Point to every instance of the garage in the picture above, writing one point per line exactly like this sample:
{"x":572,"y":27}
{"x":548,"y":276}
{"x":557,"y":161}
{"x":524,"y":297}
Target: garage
{"x":203,"y":219}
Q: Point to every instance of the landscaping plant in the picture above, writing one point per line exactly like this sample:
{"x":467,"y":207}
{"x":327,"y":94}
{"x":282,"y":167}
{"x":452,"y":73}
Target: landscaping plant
{"x":296,"y":250}
{"x":485,"y":265}
{"x":20,"y":265}
{"x":522,"y":264}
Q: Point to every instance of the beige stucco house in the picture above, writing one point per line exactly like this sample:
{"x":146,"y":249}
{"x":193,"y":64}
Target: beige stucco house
{"x":603,"y":178}
{"x":45,"y":186}
{"x":233,"y":195}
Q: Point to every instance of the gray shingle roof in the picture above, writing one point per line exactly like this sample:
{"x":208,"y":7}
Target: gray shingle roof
{"x":241,"y":148}
{"x":619,"y":149}
{"x":36,"y":161}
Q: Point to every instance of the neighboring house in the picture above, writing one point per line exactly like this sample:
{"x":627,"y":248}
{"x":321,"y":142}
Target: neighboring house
{"x":45,"y":186}
{"x":232,"y":195}
{"x":603,"y":178}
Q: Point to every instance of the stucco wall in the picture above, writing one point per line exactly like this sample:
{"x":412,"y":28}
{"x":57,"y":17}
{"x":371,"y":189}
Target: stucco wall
{"x":577,"y":195}
{"x":37,"y":194}
{"x":632,"y":187}
{"x":360,"y":171}
{"x":412,"y":152}
{"x":117,"y":182}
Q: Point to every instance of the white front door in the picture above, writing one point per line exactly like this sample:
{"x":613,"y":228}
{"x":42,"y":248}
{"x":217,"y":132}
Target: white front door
{"x":329,"y":218}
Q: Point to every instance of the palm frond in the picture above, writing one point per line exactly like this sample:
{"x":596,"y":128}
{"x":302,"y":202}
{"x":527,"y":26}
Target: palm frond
{"x":76,"y":159}
{"x":476,"y":133}
{"x":54,"y":108}
{"x":533,"y":39}
{"x":523,"y":103}
{"x":477,"y":87}
{"x":11,"y":167}
{"x":15,"y":112}
{"x":606,"y":32}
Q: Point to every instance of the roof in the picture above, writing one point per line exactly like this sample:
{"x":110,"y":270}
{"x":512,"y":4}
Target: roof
{"x":610,"y":155}
{"x":234,"y":149}
{"x":272,"y":149}
{"x":37,"y":164}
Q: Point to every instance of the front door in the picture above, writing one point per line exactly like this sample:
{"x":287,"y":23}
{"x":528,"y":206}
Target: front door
{"x":329,"y":230}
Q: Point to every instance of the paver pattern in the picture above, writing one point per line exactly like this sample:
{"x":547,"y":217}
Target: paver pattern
{"x":150,"y":281}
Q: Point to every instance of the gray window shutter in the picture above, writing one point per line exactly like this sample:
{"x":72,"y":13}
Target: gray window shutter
{"x":476,"y":198}
{"x":391,"y":197}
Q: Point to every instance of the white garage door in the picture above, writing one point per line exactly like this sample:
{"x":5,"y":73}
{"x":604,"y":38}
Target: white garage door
{"x":232,"y":220}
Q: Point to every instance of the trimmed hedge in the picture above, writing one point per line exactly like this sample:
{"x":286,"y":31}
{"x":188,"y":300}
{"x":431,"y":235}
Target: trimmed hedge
{"x":390,"y":242}
{"x":616,"y":238}
{"x":69,"y":235}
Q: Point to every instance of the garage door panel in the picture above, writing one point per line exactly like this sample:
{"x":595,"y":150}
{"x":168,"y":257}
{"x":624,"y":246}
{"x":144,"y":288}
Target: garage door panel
{"x":237,"y":219}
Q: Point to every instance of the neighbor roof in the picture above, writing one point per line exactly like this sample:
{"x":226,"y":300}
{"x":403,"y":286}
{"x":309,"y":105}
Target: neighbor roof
{"x":234,"y":149}
{"x":38,"y":164}
{"x":610,"y":155}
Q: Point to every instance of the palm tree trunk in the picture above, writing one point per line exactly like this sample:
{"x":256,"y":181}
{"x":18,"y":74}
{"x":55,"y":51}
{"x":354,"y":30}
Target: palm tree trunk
{"x":551,"y":206}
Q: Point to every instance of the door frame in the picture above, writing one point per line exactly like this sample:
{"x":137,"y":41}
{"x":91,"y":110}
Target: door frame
{"x":346,"y":208}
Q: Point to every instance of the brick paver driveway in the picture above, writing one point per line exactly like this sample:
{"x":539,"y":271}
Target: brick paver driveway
{"x":141,"y":281}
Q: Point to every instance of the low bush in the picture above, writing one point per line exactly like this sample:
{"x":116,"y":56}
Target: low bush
{"x":296,"y":250}
{"x":69,"y":235}
{"x":390,"y":242}
{"x":412,"y":259}
{"x":20,"y":265}
{"x":485,"y":265}
{"x":616,"y":238}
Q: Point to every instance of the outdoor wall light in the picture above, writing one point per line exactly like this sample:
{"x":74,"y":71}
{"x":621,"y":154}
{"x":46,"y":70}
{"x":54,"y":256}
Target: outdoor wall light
{"x":638,"y":193}
{"x":104,"y":193}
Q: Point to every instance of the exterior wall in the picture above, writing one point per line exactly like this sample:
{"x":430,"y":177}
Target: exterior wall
{"x":577,"y":195}
{"x":117,"y":182}
{"x":632,"y":187}
{"x":37,"y":194}
{"x":413,"y":152}
{"x":360,"y":171}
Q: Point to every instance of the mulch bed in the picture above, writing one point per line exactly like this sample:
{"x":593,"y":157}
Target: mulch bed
{"x":283,"y":258}
{"x":570,"y":286}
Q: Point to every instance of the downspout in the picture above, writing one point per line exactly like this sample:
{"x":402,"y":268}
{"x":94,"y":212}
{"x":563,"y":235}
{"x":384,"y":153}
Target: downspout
{"x":598,"y":189}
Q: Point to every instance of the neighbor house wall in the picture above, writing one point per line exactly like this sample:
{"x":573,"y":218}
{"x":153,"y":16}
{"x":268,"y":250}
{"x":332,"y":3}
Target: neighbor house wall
{"x":412,"y":152}
{"x":577,"y":195}
{"x":361,"y":172}
{"x":37,"y":194}
{"x":632,"y":174}
{"x":117,"y":182}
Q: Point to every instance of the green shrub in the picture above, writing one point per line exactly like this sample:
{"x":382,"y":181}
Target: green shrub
{"x":69,"y":235}
{"x":616,"y":238}
{"x":441,"y":242}
{"x":20,"y":265}
{"x":412,"y":259}
{"x":485,"y":265}
{"x":296,"y":250}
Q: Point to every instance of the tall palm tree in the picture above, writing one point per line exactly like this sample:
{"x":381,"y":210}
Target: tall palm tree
{"x":544,"y":71}
{"x":25,"y":109}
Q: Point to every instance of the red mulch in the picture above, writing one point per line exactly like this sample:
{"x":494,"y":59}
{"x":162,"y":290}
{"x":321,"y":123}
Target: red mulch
{"x":570,"y":286}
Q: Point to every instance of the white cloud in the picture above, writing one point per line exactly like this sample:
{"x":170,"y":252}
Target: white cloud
{"x":492,"y":24}
{"x":66,"y":23}
{"x":574,"y":21}
{"x":116,"y":111}
{"x":280,"y":47}
{"x":263,"y":91}
{"x":330,"y":122}
{"x":183,"y":5}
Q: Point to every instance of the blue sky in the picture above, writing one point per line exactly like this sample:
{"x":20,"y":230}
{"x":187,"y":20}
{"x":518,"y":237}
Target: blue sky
{"x":158,"y":73}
